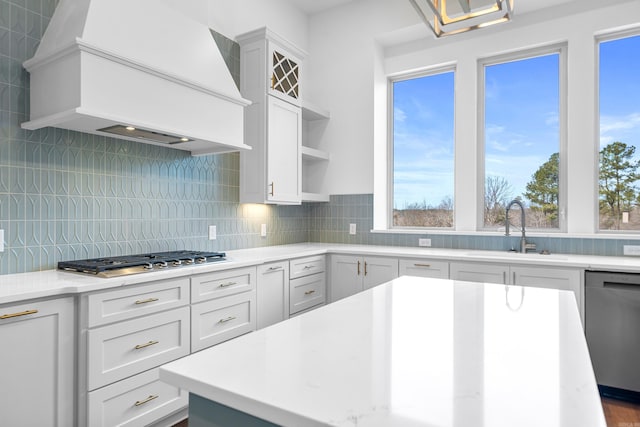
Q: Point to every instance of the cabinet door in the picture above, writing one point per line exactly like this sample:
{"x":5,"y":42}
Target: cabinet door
{"x":546,"y":277}
{"x":476,"y":272}
{"x":378,"y":270}
{"x":272,"y":302}
{"x":284,"y":178}
{"x":37,"y":361}
{"x":423,"y":268}
{"x":346,"y":276}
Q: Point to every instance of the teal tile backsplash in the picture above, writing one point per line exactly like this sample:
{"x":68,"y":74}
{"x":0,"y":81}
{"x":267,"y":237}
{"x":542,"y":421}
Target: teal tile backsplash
{"x":67,"y":195}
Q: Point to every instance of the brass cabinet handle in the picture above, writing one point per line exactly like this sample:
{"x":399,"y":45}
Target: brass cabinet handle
{"x":147,"y":344}
{"x":145,"y":301}
{"x":272,"y":188}
{"x":148,"y":399}
{"x":224,"y":285}
{"x":422,"y":265}
{"x":307,"y":267}
{"x":309,"y":292}
{"x":365,"y":268}
{"x":358,"y":268}
{"x":22,"y":313}
{"x":226,"y":320}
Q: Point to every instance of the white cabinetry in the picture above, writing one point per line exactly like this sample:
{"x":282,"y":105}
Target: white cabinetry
{"x":272,"y":293}
{"x":125,"y":334}
{"x":536,"y":276}
{"x":423,"y":268}
{"x":224,"y":306}
{"x":308,"y":284}
{"x":273,"y":170}
{"x":37,"y":363}
{"x":351,"y":274}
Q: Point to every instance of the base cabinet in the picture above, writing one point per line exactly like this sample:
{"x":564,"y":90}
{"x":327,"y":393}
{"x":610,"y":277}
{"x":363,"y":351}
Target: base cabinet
{"x":272,"y":302}
{"x":36,"y":375}
{"x":423,"y":268}
{"x":352,"y":274}
{"x":307,"y":284}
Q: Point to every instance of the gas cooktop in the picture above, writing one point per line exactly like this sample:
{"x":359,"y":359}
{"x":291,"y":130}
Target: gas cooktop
{"x":133,"y":264}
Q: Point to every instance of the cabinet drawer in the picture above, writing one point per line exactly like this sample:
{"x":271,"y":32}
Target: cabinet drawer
{"x":221,"y":284}
{"x":122,"y":304}
{"x":306,"y":292}
{"x":305,"y":266}
{"x":424,"y":268}
{"x":213,"y":322}
{"x":123,"y":349}
{"x":135,"y":401}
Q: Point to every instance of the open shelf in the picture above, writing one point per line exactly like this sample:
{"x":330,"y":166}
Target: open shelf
{"x":312,"y":112}
{"x":313,"y":154}
{"x":314,"y":197}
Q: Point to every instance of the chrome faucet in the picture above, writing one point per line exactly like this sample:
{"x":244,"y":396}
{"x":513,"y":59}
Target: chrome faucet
{"x":524,"y":246}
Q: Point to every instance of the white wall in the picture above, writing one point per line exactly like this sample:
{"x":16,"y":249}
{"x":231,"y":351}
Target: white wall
{"x":233,"y":17}
{"x":345,"y":53}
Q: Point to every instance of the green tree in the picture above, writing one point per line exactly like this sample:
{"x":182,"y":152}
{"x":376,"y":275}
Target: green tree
{"x":542,"y":190}
{"x":618,"y":174}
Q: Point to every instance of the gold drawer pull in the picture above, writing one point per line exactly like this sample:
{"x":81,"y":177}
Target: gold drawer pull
{"x":145,"y":301}
{"x":148,"y":399}
{"x":22,"y":313}
{"x":422,"y":265}
{"x":224,"y":285}
{"x":309,"y":292}
{"x":306,"y":267}
{"x":228,"y":319}
{"x":147,"y":344}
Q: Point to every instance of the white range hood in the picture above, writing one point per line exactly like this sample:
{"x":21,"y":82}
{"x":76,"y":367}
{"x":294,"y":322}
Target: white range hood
{"x":137,"y":70}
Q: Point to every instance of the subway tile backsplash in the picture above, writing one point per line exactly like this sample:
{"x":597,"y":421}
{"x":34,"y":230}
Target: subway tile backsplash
{"x":67,"y":195}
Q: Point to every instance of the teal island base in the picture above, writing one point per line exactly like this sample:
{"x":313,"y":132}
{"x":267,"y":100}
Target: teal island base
{"x":206,"y":413}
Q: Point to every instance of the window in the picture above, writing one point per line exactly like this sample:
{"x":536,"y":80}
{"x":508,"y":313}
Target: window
{"x":619,"y":96}
{"x":423,"y":150}
{"x":522,"y":138}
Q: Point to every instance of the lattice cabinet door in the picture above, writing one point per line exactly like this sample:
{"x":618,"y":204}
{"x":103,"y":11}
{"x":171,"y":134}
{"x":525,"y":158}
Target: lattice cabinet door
{"x":285,"y":72}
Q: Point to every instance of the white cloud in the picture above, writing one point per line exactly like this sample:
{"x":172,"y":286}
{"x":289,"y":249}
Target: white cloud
{"x":399,"y":115}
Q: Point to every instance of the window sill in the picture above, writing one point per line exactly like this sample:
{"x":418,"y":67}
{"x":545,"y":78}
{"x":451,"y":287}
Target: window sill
{"x":557,"y":234}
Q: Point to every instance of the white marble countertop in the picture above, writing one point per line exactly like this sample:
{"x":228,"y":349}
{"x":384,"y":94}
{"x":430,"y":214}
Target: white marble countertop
{"x":25,"y":286}
{"x":412,"y":352}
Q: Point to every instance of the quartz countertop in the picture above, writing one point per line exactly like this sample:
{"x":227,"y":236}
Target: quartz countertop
{"x":41,"y":284}
{"x":411,"y":352}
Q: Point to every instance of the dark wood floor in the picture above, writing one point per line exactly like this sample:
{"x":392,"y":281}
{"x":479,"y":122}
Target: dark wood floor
{"x":617,"y":413}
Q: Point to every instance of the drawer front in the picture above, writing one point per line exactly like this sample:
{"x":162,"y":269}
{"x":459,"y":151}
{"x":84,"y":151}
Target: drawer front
{"x":123,"y":349}
{"x":306,"y":292}
{"x":305,"y":266}
{"x":123,"y":304}
{"x":221,"y":284}
{"x":424,"y":268}
{"x":213,"y":322}
{"x":136,"y":401}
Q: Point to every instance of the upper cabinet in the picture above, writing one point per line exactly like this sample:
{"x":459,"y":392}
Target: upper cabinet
{"x":281,"y":166}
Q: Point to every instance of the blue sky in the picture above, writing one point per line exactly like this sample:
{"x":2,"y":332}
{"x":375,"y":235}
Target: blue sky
{"x":521,"y":123}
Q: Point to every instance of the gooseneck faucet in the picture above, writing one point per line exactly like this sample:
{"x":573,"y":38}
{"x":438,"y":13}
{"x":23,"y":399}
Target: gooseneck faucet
{"x":524,"y":246}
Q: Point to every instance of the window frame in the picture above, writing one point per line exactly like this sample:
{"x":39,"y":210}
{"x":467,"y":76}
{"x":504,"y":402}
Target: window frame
{"x":598,"y":39}
{"x":521,"y":54}
{"x":439,"y":69}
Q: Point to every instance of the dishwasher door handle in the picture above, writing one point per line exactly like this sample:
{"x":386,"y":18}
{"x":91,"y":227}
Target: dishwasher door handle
{"x":621,"y":287}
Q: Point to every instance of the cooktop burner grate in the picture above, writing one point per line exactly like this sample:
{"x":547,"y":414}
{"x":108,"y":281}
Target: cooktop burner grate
{"x":133,"y":264}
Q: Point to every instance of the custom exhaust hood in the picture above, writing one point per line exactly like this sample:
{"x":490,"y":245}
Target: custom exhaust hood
{"x":135,"y":70}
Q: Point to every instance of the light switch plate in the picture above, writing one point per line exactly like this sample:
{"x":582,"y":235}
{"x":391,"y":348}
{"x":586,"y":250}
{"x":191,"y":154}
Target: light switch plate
{"x":263,"y":230}
{"x":633,"y":250}
{"x":213,"y":233}
{"x":424,"y":242}
{"x":352,"y":229}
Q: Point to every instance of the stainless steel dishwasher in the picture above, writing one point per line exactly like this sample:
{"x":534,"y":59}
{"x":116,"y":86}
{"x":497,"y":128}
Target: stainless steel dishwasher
{"x":612,"y":327}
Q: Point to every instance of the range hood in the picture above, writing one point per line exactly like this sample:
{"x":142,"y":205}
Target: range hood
{"x":135,"y":70}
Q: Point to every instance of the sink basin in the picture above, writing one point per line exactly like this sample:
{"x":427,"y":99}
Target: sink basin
{"x":510,"y":255}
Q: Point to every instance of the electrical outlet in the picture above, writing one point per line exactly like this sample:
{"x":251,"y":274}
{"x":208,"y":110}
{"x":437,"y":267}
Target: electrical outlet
{"x":424,"y":242}
{"x":1,"y":240}
{"x":263,"y":230}
{"x":633,"y":250}
{"x":352,"y":229}
{"x":213,"y":233}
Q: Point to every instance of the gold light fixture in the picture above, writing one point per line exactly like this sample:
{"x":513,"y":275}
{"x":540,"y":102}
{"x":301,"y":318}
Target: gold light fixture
{"x":448,"y":17}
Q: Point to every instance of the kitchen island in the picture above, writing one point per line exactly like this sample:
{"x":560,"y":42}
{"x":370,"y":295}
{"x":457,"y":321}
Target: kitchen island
{"x":411,"y":352}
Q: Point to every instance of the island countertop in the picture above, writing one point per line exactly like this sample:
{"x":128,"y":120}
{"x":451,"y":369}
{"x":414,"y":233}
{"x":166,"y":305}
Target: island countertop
{"x":411,"y":352}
